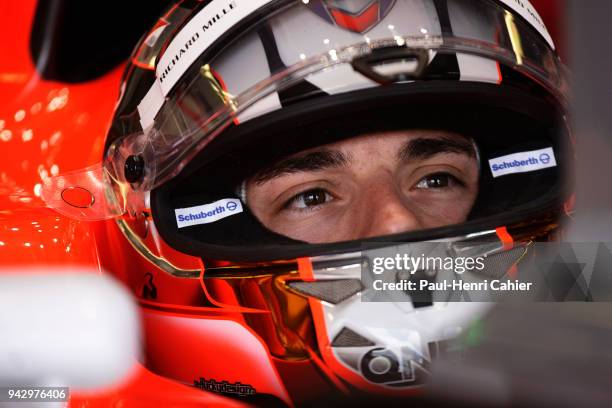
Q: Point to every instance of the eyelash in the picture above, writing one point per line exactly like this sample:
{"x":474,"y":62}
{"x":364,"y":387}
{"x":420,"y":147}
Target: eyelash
{"x":451,"y":180}
{"x":301,"y":196}
{"x":328,"y":197}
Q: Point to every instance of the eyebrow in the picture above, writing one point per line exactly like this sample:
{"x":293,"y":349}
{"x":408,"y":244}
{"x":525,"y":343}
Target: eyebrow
{"x":313,"y":161}
{"x":421,"y":148}
{"x":424,"y":148}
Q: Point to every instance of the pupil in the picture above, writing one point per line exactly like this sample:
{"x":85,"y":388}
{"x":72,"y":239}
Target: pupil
{"x":314,"y":197}
{"x":437,"y":181}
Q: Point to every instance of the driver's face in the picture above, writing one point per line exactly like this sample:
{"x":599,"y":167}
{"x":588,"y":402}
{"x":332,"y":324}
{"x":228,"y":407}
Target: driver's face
{"x":371,"y":185}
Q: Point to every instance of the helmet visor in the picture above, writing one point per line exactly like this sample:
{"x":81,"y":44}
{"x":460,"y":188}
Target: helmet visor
{"x":287,"y":51}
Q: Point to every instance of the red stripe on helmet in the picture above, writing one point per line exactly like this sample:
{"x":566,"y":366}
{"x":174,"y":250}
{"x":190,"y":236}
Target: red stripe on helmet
{"x":358,"y":23}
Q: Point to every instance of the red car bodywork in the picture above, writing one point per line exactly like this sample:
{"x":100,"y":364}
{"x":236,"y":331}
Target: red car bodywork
{"x":48,"y":128}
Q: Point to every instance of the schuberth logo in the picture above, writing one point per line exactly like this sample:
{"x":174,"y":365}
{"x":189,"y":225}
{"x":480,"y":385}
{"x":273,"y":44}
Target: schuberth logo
{"x":523,"y":162}
{"x":207,"y":213}
{"x":224,"y":387}
{"x":194,"y":38}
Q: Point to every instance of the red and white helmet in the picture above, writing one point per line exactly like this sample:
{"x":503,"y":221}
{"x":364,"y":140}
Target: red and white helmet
{"x":218,"y":89}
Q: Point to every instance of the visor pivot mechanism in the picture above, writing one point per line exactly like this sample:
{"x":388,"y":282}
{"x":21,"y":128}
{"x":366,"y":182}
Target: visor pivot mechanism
{"x":410,"y":63}
{"x":134,"y":168}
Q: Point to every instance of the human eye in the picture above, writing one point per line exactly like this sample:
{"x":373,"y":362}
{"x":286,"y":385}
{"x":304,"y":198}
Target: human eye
{"x":308,"y":199}
{"x":438,"y":181}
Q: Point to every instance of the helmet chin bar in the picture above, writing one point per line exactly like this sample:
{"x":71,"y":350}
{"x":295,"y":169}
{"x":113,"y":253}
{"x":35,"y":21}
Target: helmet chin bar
{"x":317,"y":308}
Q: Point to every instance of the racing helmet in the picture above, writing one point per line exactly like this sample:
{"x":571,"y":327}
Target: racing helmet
{"x":218,"y":90}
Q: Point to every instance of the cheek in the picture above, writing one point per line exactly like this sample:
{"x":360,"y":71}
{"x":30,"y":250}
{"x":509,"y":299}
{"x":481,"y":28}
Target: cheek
{"x":437,"y":210}
{"x":320,"y":227}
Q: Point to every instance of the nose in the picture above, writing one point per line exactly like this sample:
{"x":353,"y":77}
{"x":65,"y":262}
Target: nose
{"x":386,"y":213}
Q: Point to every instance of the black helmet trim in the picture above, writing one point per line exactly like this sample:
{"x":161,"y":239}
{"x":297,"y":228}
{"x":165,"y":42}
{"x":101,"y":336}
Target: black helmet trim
{"x":501,"y":119}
